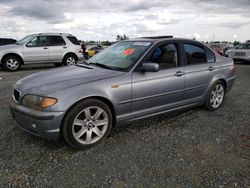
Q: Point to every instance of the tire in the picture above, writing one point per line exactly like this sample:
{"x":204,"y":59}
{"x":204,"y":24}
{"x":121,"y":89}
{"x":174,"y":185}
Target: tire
{"x":80,"y":127}
{"x":69,"y":60}
{"x":12,"y":63}
{"x":215,"y":97}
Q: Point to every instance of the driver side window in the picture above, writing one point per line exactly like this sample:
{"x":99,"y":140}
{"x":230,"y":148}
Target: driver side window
{"x":38,"y":41}
{"x":165,"y":55}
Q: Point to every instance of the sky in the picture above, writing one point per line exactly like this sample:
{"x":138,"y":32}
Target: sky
{"x":206,"y":20}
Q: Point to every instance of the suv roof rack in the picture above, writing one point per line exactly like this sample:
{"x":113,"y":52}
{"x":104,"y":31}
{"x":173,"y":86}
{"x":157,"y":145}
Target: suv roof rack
{"x":54,"y":34}
{"x":158,"y":37}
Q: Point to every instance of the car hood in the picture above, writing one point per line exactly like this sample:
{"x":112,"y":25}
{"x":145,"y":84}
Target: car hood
{"x":47,"y":82}
{"x":8,"y":47}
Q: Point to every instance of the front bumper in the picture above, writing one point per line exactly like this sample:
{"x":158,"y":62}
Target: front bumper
{"x":245,"y":58}
{"x":42,"y":124}
{"x":80,"y":57}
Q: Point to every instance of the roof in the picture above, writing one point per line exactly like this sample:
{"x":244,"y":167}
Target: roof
{"x":160,"y":38}
{"x":65,"y":34}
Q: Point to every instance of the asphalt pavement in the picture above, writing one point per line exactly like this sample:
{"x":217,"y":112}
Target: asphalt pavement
{"x":191,"y":148}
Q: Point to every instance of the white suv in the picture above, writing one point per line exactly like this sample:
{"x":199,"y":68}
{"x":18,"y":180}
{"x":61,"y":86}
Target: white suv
{"x":57,"y":48}
{"x":242,"y":52}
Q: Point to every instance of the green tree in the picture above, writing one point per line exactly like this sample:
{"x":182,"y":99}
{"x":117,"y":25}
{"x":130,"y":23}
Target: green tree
{"x":122,"y":37}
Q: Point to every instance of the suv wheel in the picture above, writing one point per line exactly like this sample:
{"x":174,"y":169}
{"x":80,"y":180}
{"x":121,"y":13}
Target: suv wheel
{"x":215,"y":96}
{"x":87,"y":124}
{"x":69,"y":60}
{"x":11,"y":63}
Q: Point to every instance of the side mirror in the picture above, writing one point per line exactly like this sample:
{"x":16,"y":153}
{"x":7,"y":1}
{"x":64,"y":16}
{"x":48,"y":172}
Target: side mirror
{"x":150,"y":67}
{"x":29,"y":44}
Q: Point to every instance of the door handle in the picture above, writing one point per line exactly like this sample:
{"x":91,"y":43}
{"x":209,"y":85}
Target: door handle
{"x":65,"y":47}
{"x":45,"y":48}
{"x":211,"y":68}
{"x":179,"y":73}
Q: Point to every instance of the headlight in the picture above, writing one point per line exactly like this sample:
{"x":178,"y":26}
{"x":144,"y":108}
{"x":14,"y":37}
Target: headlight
{"x":38,"y":102}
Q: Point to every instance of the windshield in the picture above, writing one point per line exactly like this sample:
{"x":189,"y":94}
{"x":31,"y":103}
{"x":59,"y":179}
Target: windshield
{"x":244,"y":46}
{"x":121,"y":55}
{"x":25,"y":39}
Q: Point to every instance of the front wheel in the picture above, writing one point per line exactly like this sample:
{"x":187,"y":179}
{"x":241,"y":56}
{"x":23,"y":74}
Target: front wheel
{"x":215,"y":96}
{"x":11,"y":63}
{"x":88,"y":123}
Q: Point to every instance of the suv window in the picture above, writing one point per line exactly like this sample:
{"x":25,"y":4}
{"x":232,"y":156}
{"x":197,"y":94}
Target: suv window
{"x":73,"y":40}
{"x":55,"y":41}
{"x":165,"y":55}
{"x":194,"y":54}
{"x":37,"y":41}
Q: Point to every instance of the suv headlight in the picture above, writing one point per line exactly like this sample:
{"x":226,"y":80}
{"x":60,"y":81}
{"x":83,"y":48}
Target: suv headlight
{"x":38,"y":102}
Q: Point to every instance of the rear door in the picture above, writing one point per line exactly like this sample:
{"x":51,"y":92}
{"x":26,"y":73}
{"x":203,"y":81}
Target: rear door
{"x":57,"y":48}
{"x":36,"y":50}
{"x":153,"y":92}
{"x":200,"y":69}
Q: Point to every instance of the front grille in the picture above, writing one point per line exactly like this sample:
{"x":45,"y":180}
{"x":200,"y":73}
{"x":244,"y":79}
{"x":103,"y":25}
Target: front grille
{"x":240,"y":54}
{"x":16,"y":95}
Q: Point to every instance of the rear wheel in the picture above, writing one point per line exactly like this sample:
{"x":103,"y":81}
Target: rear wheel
{"x":215,"y":96}
{"x":11,"y":63}
{"x":87,"y":124}
{"x":70,"y":60}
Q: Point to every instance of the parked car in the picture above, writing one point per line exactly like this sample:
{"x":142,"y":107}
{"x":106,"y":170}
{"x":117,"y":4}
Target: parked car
{"x":242,"y":52}
{"x":56,"y":48}
{"x":227,"y":50}
{"x":6,"y":41}
{"x":94,"y":50}
{"x":218,"y":48}
{"x":129,"y":80}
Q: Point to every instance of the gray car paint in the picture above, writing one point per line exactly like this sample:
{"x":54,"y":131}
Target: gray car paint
{"x":139,"y":95}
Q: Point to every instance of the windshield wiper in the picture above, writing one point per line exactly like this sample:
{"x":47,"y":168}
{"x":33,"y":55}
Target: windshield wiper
{"x":102,"y":65}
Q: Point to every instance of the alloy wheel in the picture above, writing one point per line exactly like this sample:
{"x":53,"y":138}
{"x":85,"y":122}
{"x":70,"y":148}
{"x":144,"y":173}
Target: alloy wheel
{"x":217,"y":95}
{"x":12,"y":64}
{"x":90,"y":125}
{"x":70,"y":61}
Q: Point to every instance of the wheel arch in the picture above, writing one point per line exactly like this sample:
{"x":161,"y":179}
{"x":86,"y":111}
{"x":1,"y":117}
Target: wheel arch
{"x":224,"y":82}
{"x":100,"y":98}
{"x":70,"y":53}
{"x":12,"y":54}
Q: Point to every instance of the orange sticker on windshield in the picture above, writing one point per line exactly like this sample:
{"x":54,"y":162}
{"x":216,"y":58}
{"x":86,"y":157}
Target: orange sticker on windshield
{"x":129,"y":51}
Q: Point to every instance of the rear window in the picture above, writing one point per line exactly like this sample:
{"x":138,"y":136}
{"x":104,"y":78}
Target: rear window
{"x":73,"y":40}
{"x":210,"y":55}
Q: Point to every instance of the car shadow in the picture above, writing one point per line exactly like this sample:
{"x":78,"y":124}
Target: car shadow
{"x":166,"y":119}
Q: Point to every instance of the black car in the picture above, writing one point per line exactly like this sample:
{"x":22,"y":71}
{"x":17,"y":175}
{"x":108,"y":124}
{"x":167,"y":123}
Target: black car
{"x":6,"y":41}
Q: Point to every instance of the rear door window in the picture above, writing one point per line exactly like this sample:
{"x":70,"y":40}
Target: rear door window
{"x":194,"y":54}
{"x":55,"y":41}
{"x":73,"y":40}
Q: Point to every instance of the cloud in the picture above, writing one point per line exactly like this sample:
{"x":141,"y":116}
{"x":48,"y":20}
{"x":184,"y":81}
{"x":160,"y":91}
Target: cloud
{"x":103,"y":19}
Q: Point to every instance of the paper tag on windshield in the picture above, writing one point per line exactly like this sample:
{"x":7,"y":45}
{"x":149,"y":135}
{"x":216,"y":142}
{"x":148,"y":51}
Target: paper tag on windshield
{"x":141,"y":43}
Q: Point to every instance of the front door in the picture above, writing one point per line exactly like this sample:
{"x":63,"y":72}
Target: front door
{"x":153,"y":92}
{"x":36,"y":51}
